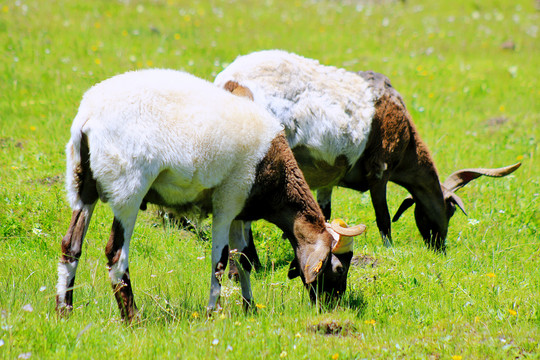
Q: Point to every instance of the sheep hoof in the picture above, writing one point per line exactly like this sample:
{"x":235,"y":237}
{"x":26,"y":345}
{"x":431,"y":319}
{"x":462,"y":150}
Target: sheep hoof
{"x":212,"y":310}
{"x":64,"y":310}
{"x":248,"y":305}
{"x":387,"y":241}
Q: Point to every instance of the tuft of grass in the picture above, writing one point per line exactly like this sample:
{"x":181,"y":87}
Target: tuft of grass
{"x":474,"y":101}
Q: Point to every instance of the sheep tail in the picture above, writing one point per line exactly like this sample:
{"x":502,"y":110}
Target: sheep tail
{"x":80,"y":184}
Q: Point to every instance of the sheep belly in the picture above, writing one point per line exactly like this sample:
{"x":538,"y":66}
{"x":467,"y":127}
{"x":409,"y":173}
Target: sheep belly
{"x":165,"y":191}
{"x":319,"y":173}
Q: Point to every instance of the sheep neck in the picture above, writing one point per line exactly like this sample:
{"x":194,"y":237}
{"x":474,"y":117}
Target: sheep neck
{"x":281,"y":195}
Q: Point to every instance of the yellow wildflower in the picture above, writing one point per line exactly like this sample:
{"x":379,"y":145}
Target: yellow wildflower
{"x":491,"y":275}
{"x":260,"y":306}
{"x":195,"y":315}
{"x":512,"y":312}
{"x":335,"y":356}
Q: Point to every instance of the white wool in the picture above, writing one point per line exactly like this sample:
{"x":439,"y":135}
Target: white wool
{"x":327,"y":109}
{"x":170,"y":135}
{"x":171,"y":131}
{"x":66,"y":273}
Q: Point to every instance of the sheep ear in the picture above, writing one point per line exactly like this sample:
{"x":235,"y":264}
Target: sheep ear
{"x":238,"y":90}
{"x":344,"y":245}
{"x":315,"y":263}
{"x":462,"y":177}
{"x":451,"y":197}
{"x":407,"y":203}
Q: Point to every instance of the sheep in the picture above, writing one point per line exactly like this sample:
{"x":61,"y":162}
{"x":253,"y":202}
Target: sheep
{"x":168,"y":138}
{"x":352,"y":130}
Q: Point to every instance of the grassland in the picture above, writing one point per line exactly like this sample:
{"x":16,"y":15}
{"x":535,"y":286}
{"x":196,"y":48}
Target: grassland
{"x":475,"y":102}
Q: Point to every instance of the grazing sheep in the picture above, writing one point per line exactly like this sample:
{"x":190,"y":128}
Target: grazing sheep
{"x":352,"y":130}
{"x":169,"y":138}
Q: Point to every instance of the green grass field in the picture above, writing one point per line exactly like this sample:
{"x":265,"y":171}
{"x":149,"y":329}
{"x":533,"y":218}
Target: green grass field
{"x":475,"y":100}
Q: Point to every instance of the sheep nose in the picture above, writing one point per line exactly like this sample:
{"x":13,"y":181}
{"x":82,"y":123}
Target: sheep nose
{"x":339,"y":269}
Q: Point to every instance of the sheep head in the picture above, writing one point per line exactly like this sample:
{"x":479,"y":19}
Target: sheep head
{"x":435,"y":233}
{"x":328,"y":276}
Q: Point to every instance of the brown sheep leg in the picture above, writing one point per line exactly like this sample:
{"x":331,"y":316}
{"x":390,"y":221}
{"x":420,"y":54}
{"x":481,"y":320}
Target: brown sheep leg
{"x":117,"y":262}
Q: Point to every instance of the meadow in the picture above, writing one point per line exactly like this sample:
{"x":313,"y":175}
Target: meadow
{"x":469,"y":73}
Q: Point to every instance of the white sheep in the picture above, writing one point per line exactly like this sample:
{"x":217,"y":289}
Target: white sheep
{"x":169,"y":138}
{"x":352,"y":130}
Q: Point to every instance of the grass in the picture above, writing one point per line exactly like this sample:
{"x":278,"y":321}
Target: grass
{"x":474,"y":102}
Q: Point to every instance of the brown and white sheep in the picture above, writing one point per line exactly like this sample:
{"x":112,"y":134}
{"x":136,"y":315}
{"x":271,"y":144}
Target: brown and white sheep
{"x":169,"y":138}
{"x":352,"y":130}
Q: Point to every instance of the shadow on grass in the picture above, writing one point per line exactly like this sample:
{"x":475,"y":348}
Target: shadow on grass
{"x":352,"y":300}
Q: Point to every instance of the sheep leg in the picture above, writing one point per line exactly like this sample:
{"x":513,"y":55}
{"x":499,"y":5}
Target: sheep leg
{"x":234,"y":275}
{"x":117,"y":252}
{"x":243,"y":264}
{"x":324,"y":198}
{"x":250,"y":252}
{"x":220,"y":255}
{"x":71,"y":252}
{"x":382,"y":215}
